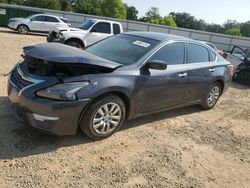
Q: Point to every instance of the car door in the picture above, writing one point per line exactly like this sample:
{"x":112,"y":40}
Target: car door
{"x":51,"y":23}
{"x":99,"y":31}
{"x":37,"y":23}
{"x":201,"y":70}
{"x":159,"y":89}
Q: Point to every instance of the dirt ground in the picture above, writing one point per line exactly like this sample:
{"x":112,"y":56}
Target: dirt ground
{"x":186,"y":147}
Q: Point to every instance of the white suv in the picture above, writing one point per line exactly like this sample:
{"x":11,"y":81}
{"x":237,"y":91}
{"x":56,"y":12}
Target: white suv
{"x":37,"y":23}
{"x":88,"y":33}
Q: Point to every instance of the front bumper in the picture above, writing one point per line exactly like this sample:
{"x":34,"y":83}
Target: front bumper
{"x":52,"y":117}
{"x":12,"y":26}
{"x":52,"y":37}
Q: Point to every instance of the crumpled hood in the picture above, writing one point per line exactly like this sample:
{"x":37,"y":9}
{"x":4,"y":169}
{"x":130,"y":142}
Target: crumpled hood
{"x":61,"y":53}
{"x":68,"y":29}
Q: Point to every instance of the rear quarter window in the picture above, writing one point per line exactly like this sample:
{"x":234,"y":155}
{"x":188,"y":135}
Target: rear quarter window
{"x":212,"y":56}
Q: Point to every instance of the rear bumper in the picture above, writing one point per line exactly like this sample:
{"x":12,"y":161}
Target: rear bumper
{"x":52,"y":117}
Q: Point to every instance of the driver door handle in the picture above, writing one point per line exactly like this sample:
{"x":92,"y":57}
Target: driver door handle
{"x":183,"y":74}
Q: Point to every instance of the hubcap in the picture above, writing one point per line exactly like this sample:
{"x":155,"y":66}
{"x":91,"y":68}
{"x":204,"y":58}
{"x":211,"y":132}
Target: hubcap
{"x":23,"y":29}
{"x":107,"y":118}
{"x":213,"y":95}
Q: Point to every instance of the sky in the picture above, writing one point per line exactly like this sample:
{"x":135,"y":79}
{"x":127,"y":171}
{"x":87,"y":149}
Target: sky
{"x":212,"y":11}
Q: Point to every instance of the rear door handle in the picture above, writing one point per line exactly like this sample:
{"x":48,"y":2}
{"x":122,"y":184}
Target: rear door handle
{"x":211,"y":69}
{"x":183,"y":75}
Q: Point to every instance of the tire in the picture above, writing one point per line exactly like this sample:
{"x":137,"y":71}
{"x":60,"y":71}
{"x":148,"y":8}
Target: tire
{"x":212,"y":96}
{"x":104,"y":117}
{"x":74,"y":43}
{"x":22,"y":29}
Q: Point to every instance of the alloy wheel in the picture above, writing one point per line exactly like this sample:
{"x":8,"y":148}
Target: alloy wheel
{"x":213,"y":95}
{"x":23,"y":29}
{"x":107,"y":118}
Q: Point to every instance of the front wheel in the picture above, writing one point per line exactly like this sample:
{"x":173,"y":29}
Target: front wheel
{"x":74,"y":44}
{"x":22,"y":29}
{"x":104,"y":117}
{"x":212,"y":96}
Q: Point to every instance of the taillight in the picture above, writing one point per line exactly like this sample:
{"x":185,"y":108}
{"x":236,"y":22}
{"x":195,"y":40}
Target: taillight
{"x":230,"y":67}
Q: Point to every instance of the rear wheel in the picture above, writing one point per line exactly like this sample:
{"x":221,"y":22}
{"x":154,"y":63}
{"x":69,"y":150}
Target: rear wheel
{"x":104,"y":117}
{"x":212,"y":96}
{"x":74,"y":44}
{"x":22,"y":29}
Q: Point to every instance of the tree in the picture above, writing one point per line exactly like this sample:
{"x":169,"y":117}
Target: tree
{"x":93,"y":7}
{"x":132,"y":12}
{"x":215,"y":28}
{"x":66,"y":5}
{"x":18,"y":2}
{"x":169,"y":20}
{"x":234,"y":32}
{"x":184,"y":20}
{"x":114,"y":9}
{"x":152,"y":15}
{"x":49,"y":4}
{"x":245,"y":29}
{"x":229,"y":24}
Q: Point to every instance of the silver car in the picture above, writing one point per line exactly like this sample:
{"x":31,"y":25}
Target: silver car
{"x":37,"y":23}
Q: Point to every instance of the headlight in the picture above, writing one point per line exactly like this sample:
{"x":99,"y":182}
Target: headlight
{"x":65,"y":91}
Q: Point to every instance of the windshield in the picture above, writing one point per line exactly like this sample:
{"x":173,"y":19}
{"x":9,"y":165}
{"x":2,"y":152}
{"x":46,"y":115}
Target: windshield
{"x":86,"y":25}
{"x":124,"y":49}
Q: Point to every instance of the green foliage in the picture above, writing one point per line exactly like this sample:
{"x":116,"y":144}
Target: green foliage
{"x":153,"y":16}
{"x":18,"y":2}
{"x":185,"y":20}
{"x":93,"y":7}
{"x":114,"y":9}
{"x":215,"y":28}
{"x":229,"y":24}
{"x":66,"y":5}
{"x":169,"y":20}
{"x":49,"y":4}
{"x":131,"y":12}
{"x":245,"y":29}
{"x":233,"y":31}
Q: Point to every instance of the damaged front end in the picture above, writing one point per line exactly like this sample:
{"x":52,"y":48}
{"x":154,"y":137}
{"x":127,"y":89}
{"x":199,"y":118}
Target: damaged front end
{"x":59,"y":60}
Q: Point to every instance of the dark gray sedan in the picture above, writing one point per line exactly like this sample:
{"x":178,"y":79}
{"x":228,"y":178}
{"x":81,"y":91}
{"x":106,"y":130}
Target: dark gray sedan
{"x":58,"y":88}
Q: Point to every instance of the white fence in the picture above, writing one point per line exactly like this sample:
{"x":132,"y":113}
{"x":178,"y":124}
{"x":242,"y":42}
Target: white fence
{"x":224,"y":42}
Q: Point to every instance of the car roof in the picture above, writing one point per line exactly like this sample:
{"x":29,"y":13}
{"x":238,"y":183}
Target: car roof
{"x":41,"y":14}
{"x":100,"y":20}
{"x":159,"y":36}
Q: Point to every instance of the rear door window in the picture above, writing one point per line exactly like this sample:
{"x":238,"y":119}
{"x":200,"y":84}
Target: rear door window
{"x":51,"y":19}
{"x":197,"y":54}
{"x":39,"y":18}
{"x":116,"y":29}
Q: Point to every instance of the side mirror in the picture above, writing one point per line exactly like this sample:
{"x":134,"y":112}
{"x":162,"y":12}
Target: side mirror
{"x":156,"y":64}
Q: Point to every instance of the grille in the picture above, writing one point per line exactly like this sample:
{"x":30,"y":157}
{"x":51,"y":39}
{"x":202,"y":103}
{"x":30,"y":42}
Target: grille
{"x":18,"y":81}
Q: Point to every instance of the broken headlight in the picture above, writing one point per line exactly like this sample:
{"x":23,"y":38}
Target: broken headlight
{"x":65,"y":91}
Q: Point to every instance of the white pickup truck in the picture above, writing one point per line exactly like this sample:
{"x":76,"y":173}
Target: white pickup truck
{"x":88,"y":33}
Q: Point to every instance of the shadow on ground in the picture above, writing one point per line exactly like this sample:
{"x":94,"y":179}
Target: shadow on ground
{"x":19,"y":140}
{"x":16,"y":33}
{"x":238,"y":85}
